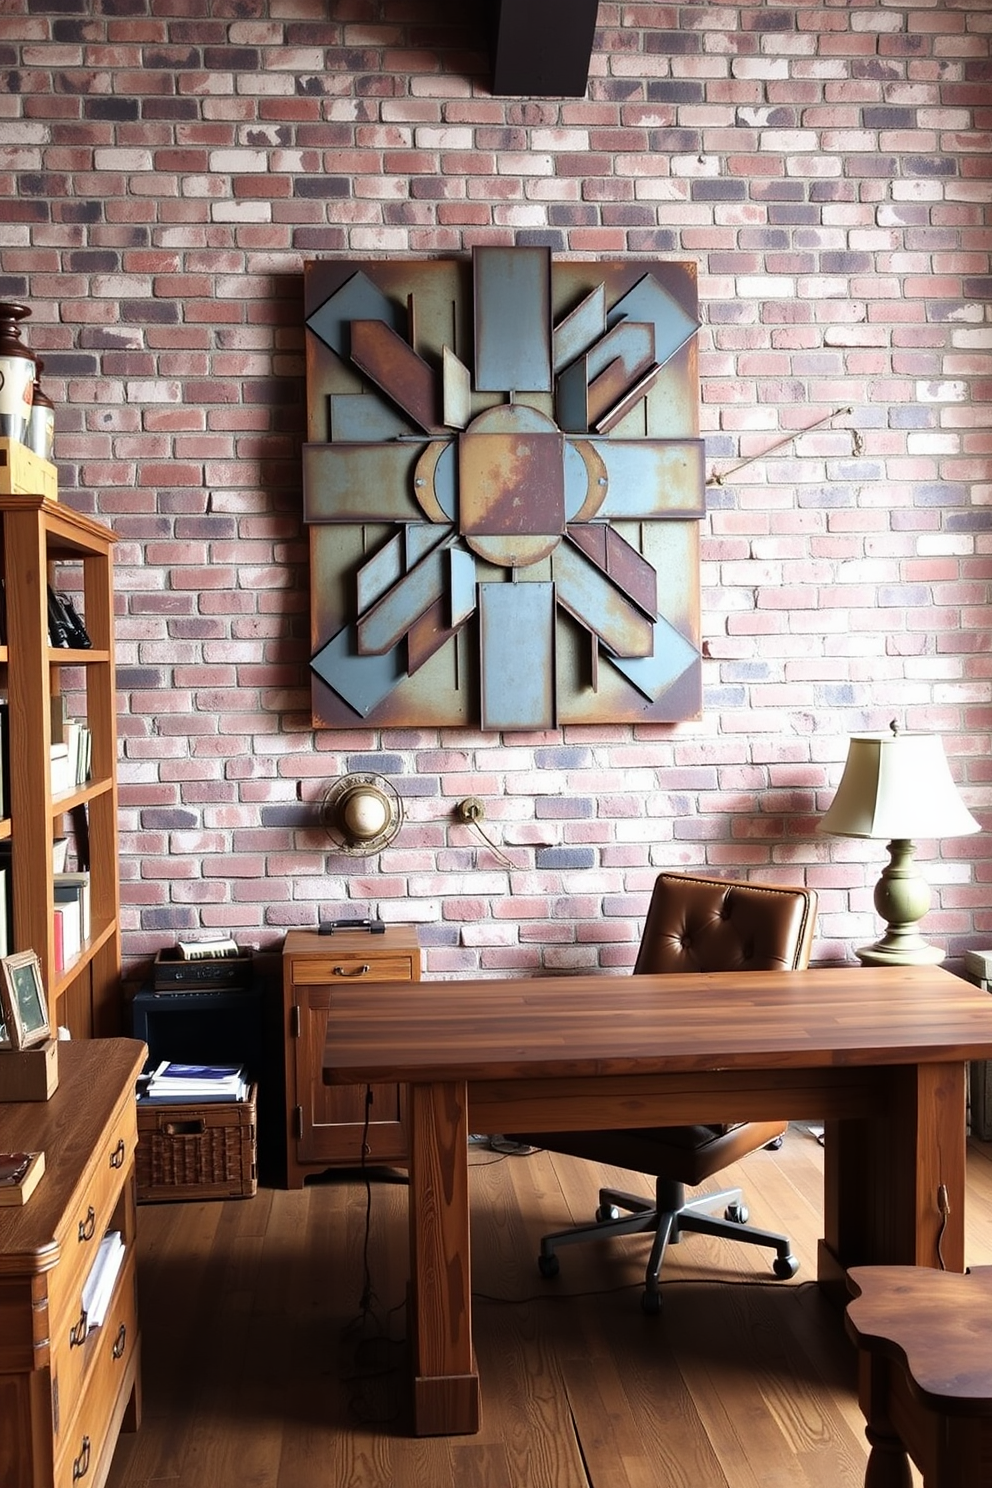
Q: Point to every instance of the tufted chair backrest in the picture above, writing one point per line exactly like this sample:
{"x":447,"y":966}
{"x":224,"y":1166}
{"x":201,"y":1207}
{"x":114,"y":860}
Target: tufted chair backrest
{"x":712,"y":924}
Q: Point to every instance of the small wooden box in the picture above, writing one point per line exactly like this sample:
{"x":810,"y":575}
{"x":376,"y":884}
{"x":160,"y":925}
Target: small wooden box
{"x":172,"y":973}
{"x":205,"y":1151}
{"x":23,"y":473}
{"x":30,"y":1074}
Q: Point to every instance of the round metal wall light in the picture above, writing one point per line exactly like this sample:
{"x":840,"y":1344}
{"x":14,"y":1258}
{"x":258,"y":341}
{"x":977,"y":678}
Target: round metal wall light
{"x":361,"y":814}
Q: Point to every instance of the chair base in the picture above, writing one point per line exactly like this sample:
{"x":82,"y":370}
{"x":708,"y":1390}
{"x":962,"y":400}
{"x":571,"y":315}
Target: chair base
{"x":667,"y":1215}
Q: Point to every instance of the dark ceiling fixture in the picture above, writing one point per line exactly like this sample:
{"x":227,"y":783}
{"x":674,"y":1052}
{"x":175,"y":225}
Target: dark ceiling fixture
{"x":541,"y":48}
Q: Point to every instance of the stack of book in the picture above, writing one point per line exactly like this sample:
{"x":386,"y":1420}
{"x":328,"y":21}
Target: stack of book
{"x":192,"y":1084}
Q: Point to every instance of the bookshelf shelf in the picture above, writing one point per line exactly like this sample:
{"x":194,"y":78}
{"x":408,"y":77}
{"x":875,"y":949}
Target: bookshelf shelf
{"x":37,"y":536}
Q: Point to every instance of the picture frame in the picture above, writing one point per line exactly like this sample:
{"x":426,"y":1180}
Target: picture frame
{"x":22,"y":1000}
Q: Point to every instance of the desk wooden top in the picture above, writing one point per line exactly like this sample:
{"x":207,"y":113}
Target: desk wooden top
{"x":588,"y":1026}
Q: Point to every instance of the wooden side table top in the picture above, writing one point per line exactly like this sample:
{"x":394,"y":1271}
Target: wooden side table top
{"x":936,"y":1324}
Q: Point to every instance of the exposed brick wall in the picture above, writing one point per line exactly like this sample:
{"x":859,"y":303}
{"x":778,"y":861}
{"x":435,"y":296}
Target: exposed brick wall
{"x":164,"y":173}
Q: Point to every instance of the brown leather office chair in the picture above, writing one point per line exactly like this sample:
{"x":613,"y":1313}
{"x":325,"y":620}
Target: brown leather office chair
{"x":701,"y":924}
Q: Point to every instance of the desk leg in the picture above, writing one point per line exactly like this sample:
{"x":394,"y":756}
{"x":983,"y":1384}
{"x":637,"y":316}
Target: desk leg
{"x":445,"y":1383}
{"x":883,"y":1175}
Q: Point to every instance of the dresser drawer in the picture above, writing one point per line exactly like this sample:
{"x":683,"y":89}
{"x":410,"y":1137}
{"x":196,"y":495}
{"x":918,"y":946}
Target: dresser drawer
{"x":87,"y":1385}
{"x":86,"y":1222}
{"x":310,"y":973}
{"x":76,"y":1359}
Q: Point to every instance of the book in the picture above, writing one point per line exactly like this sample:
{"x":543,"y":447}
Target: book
{"x":60,"y":854}
{"x":20,"y":1174}
{"x":173,"y":1081}
{"x":218,"y":948}
{"x":74,"y":888}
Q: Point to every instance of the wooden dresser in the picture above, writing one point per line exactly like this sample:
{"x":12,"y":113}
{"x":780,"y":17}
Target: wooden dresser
{"x":65,"y":1391}
{"x":325,"y":1124}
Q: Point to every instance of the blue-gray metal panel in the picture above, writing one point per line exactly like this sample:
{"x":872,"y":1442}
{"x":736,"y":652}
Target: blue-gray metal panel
{"x":652,"y":478}
{"x":649,"y":300}
{"x":388,"y":622}
{"x":457,"y":395}
{"x":357,"y":299}
{"x":517,"y":644}
{"x":671,"y":655}
{"x":512,"y":319}
{"x":577,"y":331}
{"x":380,"y":573}
{"x":598,"y":605}
{"x":360,"y":482}
{"x":462,"y":577}
{"x":572,"y":398}
{"x":362,"y":681}
{"x":362,"y":418}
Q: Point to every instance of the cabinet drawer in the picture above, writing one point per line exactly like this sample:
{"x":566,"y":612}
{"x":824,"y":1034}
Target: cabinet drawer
{"x":87,"y":1221}
{"x":312,"y":972}
{"x":102,"y":1356}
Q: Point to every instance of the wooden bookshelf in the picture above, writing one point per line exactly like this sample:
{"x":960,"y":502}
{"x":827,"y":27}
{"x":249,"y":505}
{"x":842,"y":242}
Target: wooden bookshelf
{"x":46,"y":543}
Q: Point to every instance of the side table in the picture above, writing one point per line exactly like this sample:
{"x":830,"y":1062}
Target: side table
{"x":924,"y":1373}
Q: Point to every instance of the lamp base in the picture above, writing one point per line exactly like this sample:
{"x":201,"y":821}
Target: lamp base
{"x":881,"y":954}
{"x":902,"y":898}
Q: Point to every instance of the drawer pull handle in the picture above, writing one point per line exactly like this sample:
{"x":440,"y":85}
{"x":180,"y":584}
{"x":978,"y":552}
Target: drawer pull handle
{"x":81,"y":1464}
{"x":77,"y":1333}
{"x":88,"y":1225}
{"x":120,"y":1342}
{"x":118,"y":1155}
{"x":355,"y":971}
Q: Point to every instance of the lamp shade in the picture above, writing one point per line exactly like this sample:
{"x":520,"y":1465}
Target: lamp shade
{"x":894,"y":786}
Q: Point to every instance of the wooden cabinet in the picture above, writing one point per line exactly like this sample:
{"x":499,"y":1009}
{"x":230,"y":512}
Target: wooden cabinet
{"x":46,"y":543}
{"x":327,"y":1124}
{"x":67,"y":1389}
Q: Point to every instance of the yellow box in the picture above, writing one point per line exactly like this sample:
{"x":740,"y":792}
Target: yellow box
{"x":23,"y":473}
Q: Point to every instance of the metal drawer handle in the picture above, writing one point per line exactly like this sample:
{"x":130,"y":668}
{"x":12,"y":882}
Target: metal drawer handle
{"x":81,"y":1464}
{"x":87,"y":1225}
{"x":120,"y":1342}
{"x":118,"y":1155}
{"x":355,"y":971}
{"x":77,"y":1333}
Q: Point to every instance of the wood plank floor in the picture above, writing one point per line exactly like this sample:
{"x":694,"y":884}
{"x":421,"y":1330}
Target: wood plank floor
{"x":273,"y":1342}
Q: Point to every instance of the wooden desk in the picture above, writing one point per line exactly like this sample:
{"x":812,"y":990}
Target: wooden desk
{"x":877,"y":1053}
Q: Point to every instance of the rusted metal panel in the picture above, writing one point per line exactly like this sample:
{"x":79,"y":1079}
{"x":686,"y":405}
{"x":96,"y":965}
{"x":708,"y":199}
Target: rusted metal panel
{"x":492,"y":480}
{"x":399,"y":371}
{"x":512,"y":319}
{"x":360,"y":483}
{"x":517,"y":649}
{"x":597,"y":604}
{"x":623,"y":564}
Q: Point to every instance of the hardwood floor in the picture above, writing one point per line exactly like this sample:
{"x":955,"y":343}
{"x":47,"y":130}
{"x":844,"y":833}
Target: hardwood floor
{"x":273,"y":1353}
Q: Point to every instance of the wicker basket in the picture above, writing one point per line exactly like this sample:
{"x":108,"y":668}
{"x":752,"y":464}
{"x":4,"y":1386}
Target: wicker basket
{"x":205,"y":1151}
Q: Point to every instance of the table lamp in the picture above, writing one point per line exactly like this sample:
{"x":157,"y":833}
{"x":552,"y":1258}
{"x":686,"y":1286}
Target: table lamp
{"x":896,"y":787}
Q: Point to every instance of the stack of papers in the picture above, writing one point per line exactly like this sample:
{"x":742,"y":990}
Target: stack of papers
{"x":99,"y":1285}
{"x":196,"y":1082}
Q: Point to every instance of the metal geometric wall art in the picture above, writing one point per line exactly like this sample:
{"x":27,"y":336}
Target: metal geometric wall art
{"x":503,"y":486}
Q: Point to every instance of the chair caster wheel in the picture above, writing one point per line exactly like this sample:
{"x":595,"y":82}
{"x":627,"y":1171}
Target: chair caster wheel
{"x":785,"y":1267}
{"x":606,"y":1212}
{"x":774,"y":1144}
{"x":548,"y":1265}
{"x":737,"y":1213}
{"x":651,"y":1303}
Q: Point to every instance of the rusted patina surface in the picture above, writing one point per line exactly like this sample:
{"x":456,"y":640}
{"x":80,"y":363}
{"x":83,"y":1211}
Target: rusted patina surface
{"x":503,"y":483}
